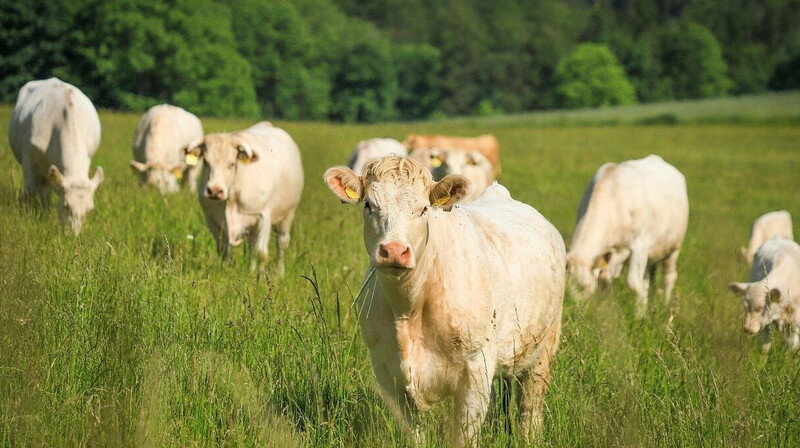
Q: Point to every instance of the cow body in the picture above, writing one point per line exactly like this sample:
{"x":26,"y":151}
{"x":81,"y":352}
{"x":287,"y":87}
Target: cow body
{"x":485,"y":144}
{"x":470,"y":164}
{"x":367,"y":150}
{"x":767,"y":226}
{"x":250,"y":184}
{"x":457,"y":297}
{"x":636,"y":210}
{"x":772,"y":293}
{"x":54,"y":132}
{"x":158,"y":147}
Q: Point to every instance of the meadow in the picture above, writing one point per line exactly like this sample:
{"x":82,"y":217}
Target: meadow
{"x":136,"y":333}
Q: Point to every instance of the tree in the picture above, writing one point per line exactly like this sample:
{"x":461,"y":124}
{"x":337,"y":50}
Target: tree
{"x":590,"y":76}
{"x":691,"y":62}
{"x":787,"y":69}
{"x":418,"y":68}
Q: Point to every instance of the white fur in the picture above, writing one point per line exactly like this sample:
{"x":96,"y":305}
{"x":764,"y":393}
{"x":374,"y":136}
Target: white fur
{"x":767,"y":226}
{"x":469,"y":163}
{"x":367,"y":150}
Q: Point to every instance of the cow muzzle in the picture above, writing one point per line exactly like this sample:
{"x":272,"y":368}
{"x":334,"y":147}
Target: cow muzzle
{"x":394,"y":257}
{"x":215,"y":193}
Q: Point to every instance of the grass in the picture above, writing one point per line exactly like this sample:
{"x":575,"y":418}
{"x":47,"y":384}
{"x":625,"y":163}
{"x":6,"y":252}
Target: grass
{"x":135,"y":333}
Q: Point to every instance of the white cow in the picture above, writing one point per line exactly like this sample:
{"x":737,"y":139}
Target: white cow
{"x":251,"y":182}
{"x":54,"y":133}
{"x":773,"y":291}
{"x":456,"y":295}
{"x":636,"y":210}
{"x":767,"y":226}
{"x":158,"y":147}
{"x":469,"y":163}
{"x":373,"y":148}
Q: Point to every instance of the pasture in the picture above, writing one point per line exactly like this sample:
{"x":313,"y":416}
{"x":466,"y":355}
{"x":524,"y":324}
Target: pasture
{"x":135,"y":333}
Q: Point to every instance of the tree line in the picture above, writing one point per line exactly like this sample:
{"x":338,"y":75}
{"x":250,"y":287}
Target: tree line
{"x":375,"y":60}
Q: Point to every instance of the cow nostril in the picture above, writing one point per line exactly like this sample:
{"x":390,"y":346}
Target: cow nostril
{"x":382,"y":251}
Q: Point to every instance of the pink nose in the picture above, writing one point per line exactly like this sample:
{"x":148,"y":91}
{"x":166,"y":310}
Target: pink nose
{"x":397,"y":254}
{"x":214,"y":193}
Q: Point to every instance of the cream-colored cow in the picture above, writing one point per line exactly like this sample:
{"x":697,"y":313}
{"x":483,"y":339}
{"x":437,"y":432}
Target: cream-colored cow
{"x":456,"y":295}
{"x":470,"y":164}
{"x":367,"y":150}
{"x":768,"y":226}
{"x":636,"y":210}
{"x":54,"y":133}
{"x":485,"y":144}
{"x":772,"y":293}
{"x":250,"y":184}
{"x":158,"y":147}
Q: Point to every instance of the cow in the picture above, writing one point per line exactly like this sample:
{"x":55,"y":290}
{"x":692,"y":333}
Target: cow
{"x":375,"y":147}
{"x":158,"y":147}
{"x":470,"y":164}
{"x":250,"y":184}
{"x":767,"y":226}
{"x":486,"y":144}
{"x":457,"y":295}
{"x":636,"y":210}
{"x":54,"y":132}
{"x":772,"y":293}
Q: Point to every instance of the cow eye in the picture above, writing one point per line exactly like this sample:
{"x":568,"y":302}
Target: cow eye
{"x":424,"y":210}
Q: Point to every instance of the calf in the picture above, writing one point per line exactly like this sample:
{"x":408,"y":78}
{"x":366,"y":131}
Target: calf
{"x":458,"y":295}
{"x":767,"y":226}
{"x":636,"y":210}
{"x":470,"y":164}
{"x":485,"y":144}
{"x":251,"y":182}
{"x":158,"y":147}
{"x":54,"y":133}
{"x":773,"y":291}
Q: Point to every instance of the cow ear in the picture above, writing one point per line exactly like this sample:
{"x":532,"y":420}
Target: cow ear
{"x":449,"y":190}
{"x":193,"y":151}
{"x":344,"y":183}
{"x":602,"y":262}
{"x":245,"y":153}
{"x":774,"y":294}
{"x":738,"y":287}
{"x":56,"y":178}
{"x":98,"y":177}
{"x":138,"y":166}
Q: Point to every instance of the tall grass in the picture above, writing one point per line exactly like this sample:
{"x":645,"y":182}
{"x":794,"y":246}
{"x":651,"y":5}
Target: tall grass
{"x":135,"y":333}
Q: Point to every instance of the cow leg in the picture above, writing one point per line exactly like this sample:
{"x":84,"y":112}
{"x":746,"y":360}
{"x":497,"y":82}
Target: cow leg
{"x":767,"y":340}
{"x":793,"y":338}
{"x":399,"y":402}
{"x":534,"y":386}
{"x":636,"y":281}
{"x":260,"y":242}
{"x":220,"y":236}
{"x":283,"y":229}
{"x":670,"y":274}
{"x":471,"y":404}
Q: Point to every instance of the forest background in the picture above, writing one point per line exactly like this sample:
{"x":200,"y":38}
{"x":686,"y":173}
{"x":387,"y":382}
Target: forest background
{"x":383,"y":60}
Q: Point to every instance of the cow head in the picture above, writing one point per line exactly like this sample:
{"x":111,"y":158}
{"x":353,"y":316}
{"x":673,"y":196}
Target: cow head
{"x":222,"y":154}
{"x":761,"y":304}
{"x":399,"y":196}
{"x":583,"y":274}
{"x":75,"y":196}
{"x":164,"y":177}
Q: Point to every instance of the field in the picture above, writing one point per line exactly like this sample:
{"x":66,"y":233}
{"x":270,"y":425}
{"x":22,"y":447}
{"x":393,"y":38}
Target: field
{"x":135,"y":333}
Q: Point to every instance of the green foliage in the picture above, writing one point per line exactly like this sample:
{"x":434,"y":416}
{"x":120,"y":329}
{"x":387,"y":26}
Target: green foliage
{"x":691,"y":62}
{"x":418,"y":67}
{"x":591,"y":76}
{"x":787,"y":68}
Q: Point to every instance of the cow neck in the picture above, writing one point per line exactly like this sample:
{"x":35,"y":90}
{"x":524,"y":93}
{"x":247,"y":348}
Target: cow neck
{"x":404,"y":295}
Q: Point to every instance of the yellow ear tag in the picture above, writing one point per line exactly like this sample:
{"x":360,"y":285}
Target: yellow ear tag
{"x":436,"y":162}
{"x":242,"y":158}
{"x":178,"y":173}
{"x":191,"y":159}
{"x":442,"y":201}
{"x":352,"y":194}
{"x":602,"y":263}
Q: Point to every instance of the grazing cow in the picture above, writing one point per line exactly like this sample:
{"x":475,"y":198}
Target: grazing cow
{"x":486,"y":144}
{"x":158,"y":147}
{"x":456,"y":295}
{"x":768,"y":226}
{"x":251,"y":182}
{"x":54,"y":133}
{"x":374,"y":148}
{"x":639,"y":210}
{"x":773,"y":291}
{"x":470,"y":164}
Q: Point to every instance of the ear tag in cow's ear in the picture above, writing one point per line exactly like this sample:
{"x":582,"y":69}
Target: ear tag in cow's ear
{"x":191,"y":159}
{"x":352,"y":194}
{"x":442,"y":201}
{"x":602,"y":263}
{"x":178,"y":173}
{"x":436,"y":162}
{"x":242,"y":157}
